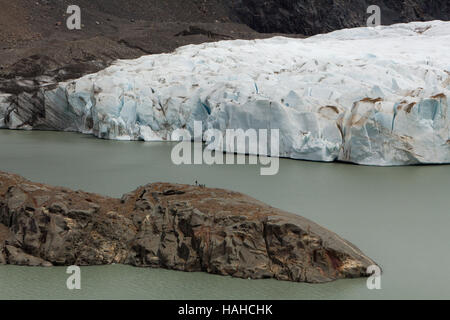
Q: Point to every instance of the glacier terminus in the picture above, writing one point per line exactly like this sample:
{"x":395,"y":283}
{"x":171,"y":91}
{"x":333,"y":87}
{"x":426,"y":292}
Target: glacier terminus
{"x":373,"y":96}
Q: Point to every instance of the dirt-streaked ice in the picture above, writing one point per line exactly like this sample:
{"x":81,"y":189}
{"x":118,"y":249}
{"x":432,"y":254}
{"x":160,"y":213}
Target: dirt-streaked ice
{"x":376,"y":96}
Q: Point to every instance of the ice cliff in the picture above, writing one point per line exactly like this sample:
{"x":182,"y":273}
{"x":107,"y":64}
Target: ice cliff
{"x":375,"y":96}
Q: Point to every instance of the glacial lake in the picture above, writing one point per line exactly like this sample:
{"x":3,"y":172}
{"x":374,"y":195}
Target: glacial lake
{"x":399,"y":216}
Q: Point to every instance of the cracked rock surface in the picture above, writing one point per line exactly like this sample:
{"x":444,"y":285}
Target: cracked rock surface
{"x":170,"y":226}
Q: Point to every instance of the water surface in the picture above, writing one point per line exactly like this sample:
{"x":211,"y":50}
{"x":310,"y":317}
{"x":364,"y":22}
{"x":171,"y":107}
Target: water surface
{"x":398,"y":216}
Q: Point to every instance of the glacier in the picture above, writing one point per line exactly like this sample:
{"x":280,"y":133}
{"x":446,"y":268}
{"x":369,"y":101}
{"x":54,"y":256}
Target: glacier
{"x":373,"y":96}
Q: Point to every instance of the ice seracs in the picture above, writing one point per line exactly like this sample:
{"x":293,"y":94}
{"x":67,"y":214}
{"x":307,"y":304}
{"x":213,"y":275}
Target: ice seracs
{"x":375,"y":96}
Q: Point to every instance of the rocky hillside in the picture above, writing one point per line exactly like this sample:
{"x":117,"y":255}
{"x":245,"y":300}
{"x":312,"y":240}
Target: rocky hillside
{"x":177,"y":227}
{"x":310,"y":17}
{"x":35,"y":44}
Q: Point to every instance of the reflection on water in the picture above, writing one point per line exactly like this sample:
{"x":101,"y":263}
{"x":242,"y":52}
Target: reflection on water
{"x":397,"y":216}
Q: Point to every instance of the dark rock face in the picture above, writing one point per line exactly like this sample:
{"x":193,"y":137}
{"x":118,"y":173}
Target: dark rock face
{"x":320,"y":16}
{"x":170,"y":226}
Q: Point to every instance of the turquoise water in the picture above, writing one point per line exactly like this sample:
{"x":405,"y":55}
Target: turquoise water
{"x":397,"y":216}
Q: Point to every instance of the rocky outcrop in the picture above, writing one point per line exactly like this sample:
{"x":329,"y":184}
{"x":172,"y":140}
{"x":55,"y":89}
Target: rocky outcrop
{"x":171,"y":226}
{"x":320,"y":16}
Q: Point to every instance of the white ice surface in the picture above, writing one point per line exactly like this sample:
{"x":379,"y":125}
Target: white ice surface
{"x":376,"y":96}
